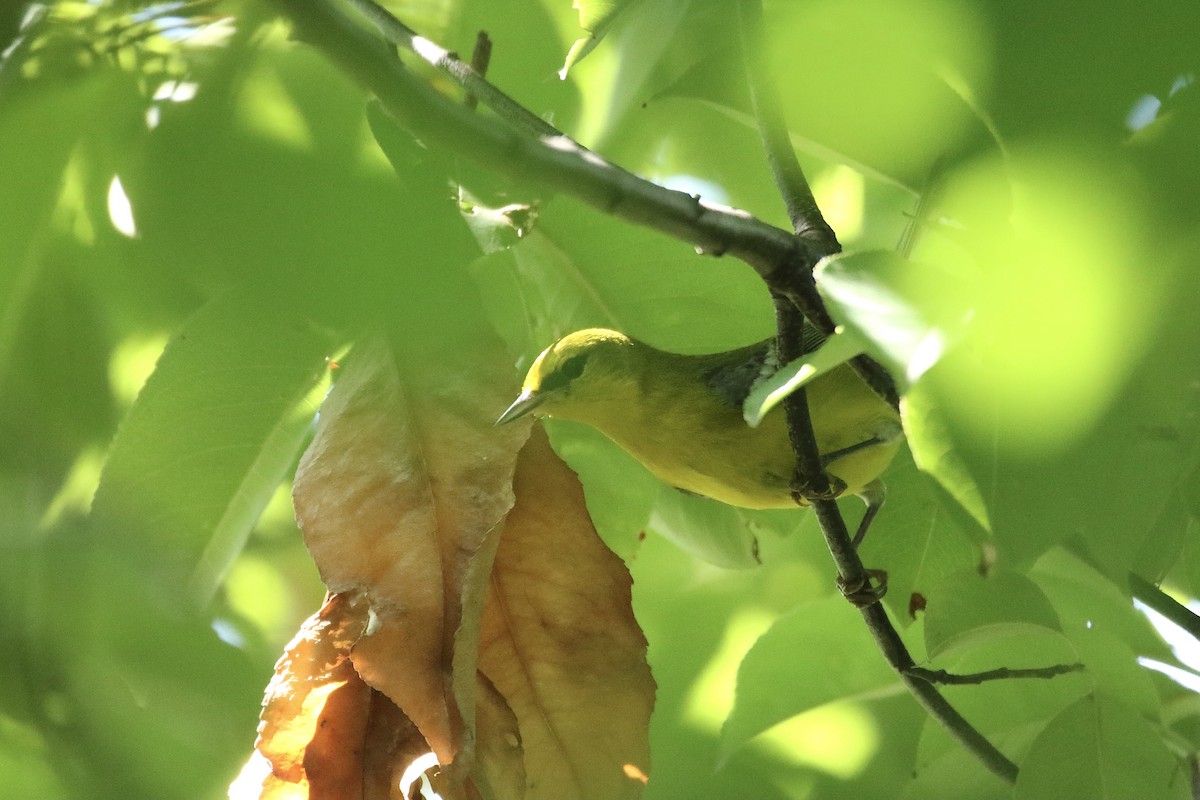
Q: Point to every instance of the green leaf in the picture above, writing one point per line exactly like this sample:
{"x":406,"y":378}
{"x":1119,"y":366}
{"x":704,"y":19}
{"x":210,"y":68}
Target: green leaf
{"x":933,"y":452}
{"x":709,"y":530}
{"x":1087,"y":600}
{"x":955,"y":773}
{"x":216,"y":427}
{"x":915,"y":540}
{"x":1006,"y":708}
{"x":836,"y":350}
{"x":578,"y":269}
{"x":971,"y":608}
{"x":620,"y":492}
{"x":1101,"y":748}
{"x":816,"y":654}
{"x":891,"y":303}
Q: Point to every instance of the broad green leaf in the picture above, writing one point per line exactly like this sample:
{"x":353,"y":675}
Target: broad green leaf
{"x":1087,"y":600}
{"x":970,"y":608}
{"x":578,"y":269}
{"x":915,"y":540}
{"x":955,"y":773}
{"x":1101,"y":748}
{"x":901,"y":95}
{"x":834,"y":351}
{"x":707,"y":529}
{"x":933,"y":453}
{"x":216,"y":427}
{"x":620,"y":492}
{"x":890,"y":303}
{"x":1113,"y":669}
{"x":816,"y":654}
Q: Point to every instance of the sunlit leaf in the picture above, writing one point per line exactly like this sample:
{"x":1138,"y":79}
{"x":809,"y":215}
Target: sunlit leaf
{"x":883,"y":298}
{"x":778,"y":677}
{"x":595,"y":17}
{"x":836,"y":350}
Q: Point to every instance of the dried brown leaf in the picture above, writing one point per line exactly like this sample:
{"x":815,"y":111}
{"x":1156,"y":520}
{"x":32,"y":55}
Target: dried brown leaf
{"x":560,"y":643}
{"x":499,"y":635}
{"x":324,"y":732}
{"x":396,"y":496}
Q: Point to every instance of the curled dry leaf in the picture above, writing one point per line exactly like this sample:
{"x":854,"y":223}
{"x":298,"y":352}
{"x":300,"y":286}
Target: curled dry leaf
{"x":498,"y":635}
{"x":319,"y":733}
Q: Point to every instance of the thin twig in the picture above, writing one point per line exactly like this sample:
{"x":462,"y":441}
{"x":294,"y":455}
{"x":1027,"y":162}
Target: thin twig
{"x":812,"y":483}
{"x":998,"y":674}
{"x":802,"y":209}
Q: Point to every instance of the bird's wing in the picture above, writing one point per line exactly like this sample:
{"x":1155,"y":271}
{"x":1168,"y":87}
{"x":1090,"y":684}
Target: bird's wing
{"x":733,"y":375}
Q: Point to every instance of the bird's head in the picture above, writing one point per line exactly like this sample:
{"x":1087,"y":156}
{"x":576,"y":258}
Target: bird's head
{"x":579,"y":370}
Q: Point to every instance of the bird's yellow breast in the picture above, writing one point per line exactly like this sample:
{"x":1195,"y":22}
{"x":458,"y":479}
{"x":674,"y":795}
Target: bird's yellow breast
{"x":696,"y":440}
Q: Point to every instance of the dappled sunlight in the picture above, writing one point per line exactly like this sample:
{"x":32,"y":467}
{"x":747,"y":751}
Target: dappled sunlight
{"x":1182,"y":643}
{"x":257,"y":589}
{"x":75,"y":494}
{"x":839,"y":739}
{"x":266,"y":108}
{"x":131,"y":363}
{"x":1054,"y":328}
{"x":120,"y":209}
{"x":711,"y":697}
{"x":839,"y":191}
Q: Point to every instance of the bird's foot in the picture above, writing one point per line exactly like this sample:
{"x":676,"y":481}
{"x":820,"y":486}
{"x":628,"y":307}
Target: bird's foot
{"x":866,"y":592}
{"x":804,"y":493}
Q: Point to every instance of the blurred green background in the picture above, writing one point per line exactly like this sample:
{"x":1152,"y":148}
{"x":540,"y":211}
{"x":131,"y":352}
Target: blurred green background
{"x":196,"y":216}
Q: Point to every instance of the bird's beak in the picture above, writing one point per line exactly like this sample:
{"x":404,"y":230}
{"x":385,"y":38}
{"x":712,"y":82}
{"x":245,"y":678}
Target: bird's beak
{"x":526,"y":401}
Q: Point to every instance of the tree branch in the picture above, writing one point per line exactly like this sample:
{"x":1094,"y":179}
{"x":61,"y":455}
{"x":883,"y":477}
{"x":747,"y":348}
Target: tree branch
{"x":554,"y":161}
{"x":1164,"y":604}
{"x":449,"y":64}
{"x":813,"y":484}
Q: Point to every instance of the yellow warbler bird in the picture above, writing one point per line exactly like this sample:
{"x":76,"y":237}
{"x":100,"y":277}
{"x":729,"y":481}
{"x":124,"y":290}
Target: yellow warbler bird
{"x":681,"y":416}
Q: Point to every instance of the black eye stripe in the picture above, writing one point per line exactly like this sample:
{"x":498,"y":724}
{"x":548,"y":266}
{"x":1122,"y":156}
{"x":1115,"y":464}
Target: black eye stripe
{"x":572,"y":368}
{"x":568,"y":371}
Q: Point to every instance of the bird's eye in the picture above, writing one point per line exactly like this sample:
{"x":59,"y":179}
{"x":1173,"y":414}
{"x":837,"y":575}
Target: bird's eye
{"x":568,"y":371}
